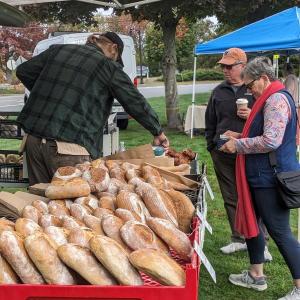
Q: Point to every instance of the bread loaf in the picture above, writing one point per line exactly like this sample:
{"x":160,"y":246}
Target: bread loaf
{"x":132,"y":173}
{"x":81,"y":237}
{"x":137,"y":235}
{"x":110,"y":164}
{"x":184,"y":209}
{"x":125,"y":215}
{"x":7,"y":274}
{"x":58,"y":210}
{"x":79,"y":211}
{"x":44,"y":256}
{"x":84,"y":263}
{"x":26,"y":227}
{"x":99,"y":163}
{"x":100,"y":212}
{"x":49,"y":220}
{"x":118,"y":173}
{"x":159,"y":266}
{"x":98,"y":179}
{"x":84,"y":166}
{"x":172,"y":236}
{"x":71,"y":223}
{"x":107,"y":202}
{"x":104,"y":194}
{"x":30,"y":212}
{"x":6,"y":225}
{"x":178,"y":186}
{"x":64,"y":189}
{"x":111,"y":226}
{"x":113,"y":257}
{"x":114,"y":186}
{"x":66,"y":173}
{"x":12,"y":249}
{"x":57,"y":235}
{"x":131,"y":202}
{"x":94,"y":223}
{"x":90,"y":201}
{"x":40,"y":206}
{"x":157,"y":204}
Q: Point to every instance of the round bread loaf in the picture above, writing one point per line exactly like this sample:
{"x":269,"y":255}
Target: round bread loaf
{"x":98,"y":179}
{"x":66,"y":173}
{"x":76,"y":257}
{"x":115,"y":259}
{"x":158,"y":266}
{"x":64,"y":189}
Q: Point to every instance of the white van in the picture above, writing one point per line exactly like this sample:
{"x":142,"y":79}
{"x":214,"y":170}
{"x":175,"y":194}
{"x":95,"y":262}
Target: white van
{"x":128,"y":57}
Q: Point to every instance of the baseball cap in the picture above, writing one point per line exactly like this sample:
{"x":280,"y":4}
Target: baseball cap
{"x":233,"y":56}
{"x":112,"y":36}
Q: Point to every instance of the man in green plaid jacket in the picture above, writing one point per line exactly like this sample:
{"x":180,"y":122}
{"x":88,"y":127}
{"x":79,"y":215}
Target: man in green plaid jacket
{"x":72,"y":89}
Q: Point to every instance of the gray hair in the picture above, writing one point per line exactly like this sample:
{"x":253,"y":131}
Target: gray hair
{"x":259,"y":66}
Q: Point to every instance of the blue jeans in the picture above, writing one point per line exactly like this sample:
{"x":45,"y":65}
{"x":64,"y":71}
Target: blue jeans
{"x":275,"y":216}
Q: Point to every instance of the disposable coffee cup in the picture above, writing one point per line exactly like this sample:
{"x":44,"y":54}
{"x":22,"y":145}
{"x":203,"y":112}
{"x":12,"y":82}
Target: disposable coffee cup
{"x":222,"y":140}
{"x":241,"y":103}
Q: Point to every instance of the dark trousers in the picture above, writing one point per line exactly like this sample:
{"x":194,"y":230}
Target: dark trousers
{"x":269,"y":209}
{"x":43,"y":159}
{"x":225,"y":171}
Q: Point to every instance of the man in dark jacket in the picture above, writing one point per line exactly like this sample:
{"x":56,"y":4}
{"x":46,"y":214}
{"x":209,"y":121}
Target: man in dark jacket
{"x":222,"y":115}
{"x":72,"y":89}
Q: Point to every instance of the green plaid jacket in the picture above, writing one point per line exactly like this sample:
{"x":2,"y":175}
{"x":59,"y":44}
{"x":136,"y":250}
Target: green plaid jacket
{"x":72,"y":88}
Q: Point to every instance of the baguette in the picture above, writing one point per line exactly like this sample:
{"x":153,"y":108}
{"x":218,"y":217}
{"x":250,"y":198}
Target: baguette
{"x":6,"y":225}
{"x":94,"y":223}
{"x":49,"y":220}
{"x":115,"y":259}
{"x":172,"y":236}
{"x":90,"y":201}
{"x":125,"y":215}
{"x":44,"y":256}
{"x":57,"y":235}
{"x":12,"y":249}
{"x":80,"y":237}
{"x":40,"y":206}
{"x":85,"y":264}
{"x":159,"y":266}
{"x":78,"y":211}
{"x":30,"y":212}
{"x":7,"y":274}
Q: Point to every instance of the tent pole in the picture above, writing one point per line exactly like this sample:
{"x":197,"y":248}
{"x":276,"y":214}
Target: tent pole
{"x":193,"y":96}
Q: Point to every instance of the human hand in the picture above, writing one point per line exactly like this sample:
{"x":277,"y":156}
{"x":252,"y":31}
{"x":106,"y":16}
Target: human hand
{"x":244,"y":112}
{"x":161,"y":140}
{"x":234,"y":134}
{"x":229,"y":147}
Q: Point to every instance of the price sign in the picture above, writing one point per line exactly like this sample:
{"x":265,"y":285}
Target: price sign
{"x":207,"y":185}
{"x":204,"y":222}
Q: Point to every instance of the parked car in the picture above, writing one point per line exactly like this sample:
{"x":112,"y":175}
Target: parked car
{"x":145,"y":71}
{"x":128,"y":57}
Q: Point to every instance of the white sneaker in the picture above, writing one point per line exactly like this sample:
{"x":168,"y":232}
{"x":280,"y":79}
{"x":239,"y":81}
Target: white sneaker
{"x":234,"y":247}
{"x":268,"y":255}
{"x":294,"y":295}
{"x":246,"y":280}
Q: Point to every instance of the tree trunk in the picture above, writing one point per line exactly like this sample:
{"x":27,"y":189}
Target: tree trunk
{"x":169,"y":72}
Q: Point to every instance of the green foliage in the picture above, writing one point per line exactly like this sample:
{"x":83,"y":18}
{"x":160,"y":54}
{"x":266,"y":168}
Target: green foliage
{"x":201,"y":74}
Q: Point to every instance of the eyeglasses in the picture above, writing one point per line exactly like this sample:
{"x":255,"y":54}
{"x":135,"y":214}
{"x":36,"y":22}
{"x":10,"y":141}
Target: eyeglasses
{"x":250,"y":84}
{"x":229,"y":67}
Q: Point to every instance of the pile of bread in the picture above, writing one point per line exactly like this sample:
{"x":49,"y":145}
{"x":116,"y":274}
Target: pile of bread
{"x":105,"y":224}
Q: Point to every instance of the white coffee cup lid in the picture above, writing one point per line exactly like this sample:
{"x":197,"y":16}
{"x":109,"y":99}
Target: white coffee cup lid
{"x":241,"y":101}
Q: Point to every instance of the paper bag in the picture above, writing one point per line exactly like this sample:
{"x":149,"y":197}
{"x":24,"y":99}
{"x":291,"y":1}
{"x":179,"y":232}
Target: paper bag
{"x":141,"y":152}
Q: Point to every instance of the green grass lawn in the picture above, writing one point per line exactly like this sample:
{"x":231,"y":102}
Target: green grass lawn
{"x":279,"y":279}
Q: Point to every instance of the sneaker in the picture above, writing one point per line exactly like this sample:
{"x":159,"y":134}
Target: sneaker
{"x":268,"y":255}
{"x":294,"y":295}
{"x":246,"y":280}
{"x":234,"y":247}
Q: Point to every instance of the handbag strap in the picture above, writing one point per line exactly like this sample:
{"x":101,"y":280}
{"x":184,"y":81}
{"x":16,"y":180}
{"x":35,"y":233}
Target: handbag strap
{"x":273,"y":160}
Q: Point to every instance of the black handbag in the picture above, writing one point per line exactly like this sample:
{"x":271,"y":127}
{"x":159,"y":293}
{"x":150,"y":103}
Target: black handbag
{"x":288,"y":184}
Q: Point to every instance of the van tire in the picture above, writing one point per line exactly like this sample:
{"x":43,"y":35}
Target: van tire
{"x":122,"y":124}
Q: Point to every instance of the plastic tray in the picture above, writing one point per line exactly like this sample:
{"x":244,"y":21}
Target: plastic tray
{"x":150,"y":291}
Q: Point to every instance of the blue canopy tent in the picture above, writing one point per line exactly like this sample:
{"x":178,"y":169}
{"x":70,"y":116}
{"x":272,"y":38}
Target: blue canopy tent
{"x":280,"y":32}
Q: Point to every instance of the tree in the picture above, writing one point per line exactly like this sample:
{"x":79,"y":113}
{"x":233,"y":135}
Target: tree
{"x":166,"y":16}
